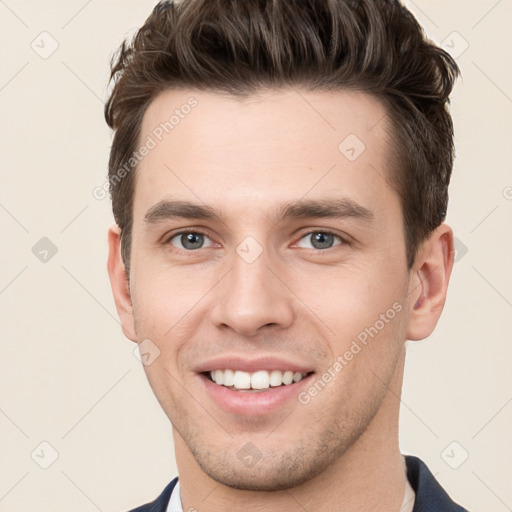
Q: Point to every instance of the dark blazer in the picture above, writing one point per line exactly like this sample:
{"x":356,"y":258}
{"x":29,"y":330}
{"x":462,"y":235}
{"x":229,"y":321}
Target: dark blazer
{"x":430,"y":496}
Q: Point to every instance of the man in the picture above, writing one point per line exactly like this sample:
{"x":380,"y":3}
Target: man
{"x":279,"y":176}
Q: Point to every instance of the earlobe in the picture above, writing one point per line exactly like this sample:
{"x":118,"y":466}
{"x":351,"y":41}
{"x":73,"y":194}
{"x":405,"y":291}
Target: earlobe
{"x":429,"y":284}
{"x":119,"y":283}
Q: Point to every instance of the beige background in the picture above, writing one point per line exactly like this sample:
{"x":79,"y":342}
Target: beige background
{"x":69,"y":378}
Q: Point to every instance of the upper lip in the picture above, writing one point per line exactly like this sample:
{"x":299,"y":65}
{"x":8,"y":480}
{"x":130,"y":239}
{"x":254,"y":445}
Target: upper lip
{"x":245,"y":364}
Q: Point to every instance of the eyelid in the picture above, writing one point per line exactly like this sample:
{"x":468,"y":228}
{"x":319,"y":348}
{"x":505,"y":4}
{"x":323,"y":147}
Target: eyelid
{"x":166,"y":239}
{"x":345,"y":239}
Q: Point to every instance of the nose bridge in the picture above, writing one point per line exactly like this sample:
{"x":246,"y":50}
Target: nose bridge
{"x":251,"y":296}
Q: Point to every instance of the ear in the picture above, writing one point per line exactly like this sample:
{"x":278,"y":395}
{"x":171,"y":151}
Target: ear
{"x":429,"y":282}
{"x":119,"y":283}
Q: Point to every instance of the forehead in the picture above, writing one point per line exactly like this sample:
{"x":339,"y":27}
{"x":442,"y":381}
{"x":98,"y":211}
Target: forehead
{"x":273,"y":146}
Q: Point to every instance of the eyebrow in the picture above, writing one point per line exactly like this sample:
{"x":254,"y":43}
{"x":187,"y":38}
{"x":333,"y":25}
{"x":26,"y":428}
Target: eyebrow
{"x":302,"y":209}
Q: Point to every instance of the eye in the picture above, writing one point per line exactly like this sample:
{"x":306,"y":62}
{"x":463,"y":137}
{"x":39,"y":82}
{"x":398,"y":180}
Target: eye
{"x":320,"y":240}
{"x":189,"y":240}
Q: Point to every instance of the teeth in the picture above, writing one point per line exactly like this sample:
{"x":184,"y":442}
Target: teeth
{"x":229,"y":377}
{"x":287,"y":377}
{"x":262,"y":379}
{"x":276,"y":378}
{"x":242,"y":380}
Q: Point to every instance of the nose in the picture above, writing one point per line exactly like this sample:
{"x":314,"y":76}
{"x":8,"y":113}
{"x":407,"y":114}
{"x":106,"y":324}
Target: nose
{"x":252,"y":297}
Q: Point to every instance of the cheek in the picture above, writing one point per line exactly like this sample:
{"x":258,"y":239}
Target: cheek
{"x":350,"y":299}
{"x":169,"y":307}
{"x":367,"y":328}
{"x":162,"y":296}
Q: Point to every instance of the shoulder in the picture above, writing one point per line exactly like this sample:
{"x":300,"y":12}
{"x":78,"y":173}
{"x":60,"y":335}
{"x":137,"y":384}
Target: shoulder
{"x":160,"y":503}
{"x":430,"y":496}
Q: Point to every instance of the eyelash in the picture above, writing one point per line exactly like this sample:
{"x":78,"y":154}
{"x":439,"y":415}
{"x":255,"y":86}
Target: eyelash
{"x":324,"y":231}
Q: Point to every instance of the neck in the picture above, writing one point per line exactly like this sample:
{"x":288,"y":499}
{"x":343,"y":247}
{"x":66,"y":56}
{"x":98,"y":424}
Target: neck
{"x":370,"y":476}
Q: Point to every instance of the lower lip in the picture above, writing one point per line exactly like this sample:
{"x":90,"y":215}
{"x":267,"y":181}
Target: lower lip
{"x":252,"y":403}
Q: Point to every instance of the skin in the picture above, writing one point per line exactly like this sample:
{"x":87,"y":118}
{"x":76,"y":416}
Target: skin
{"x":245,"y":159}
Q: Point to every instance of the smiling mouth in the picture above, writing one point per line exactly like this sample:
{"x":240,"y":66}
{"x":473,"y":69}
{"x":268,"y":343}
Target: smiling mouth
{"x":261,"y":380}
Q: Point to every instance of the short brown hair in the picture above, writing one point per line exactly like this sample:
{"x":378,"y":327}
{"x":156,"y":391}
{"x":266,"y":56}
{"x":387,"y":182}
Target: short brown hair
{"x":242,"y":46}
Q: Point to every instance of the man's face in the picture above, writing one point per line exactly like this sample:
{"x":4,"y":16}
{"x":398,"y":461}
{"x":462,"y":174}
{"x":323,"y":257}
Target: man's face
{"x":249,"y":289}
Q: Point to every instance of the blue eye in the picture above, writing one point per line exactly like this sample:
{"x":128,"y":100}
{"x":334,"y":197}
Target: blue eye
{"x":189,"y":240}
{"x":320,"y":240}
{"x":193,"y":240}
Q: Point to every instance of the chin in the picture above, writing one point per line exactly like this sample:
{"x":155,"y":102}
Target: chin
{"x":261,"y":479}
{"x":273,"y":472}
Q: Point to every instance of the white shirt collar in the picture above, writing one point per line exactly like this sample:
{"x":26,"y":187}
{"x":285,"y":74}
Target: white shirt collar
{"x":175,"y":501}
